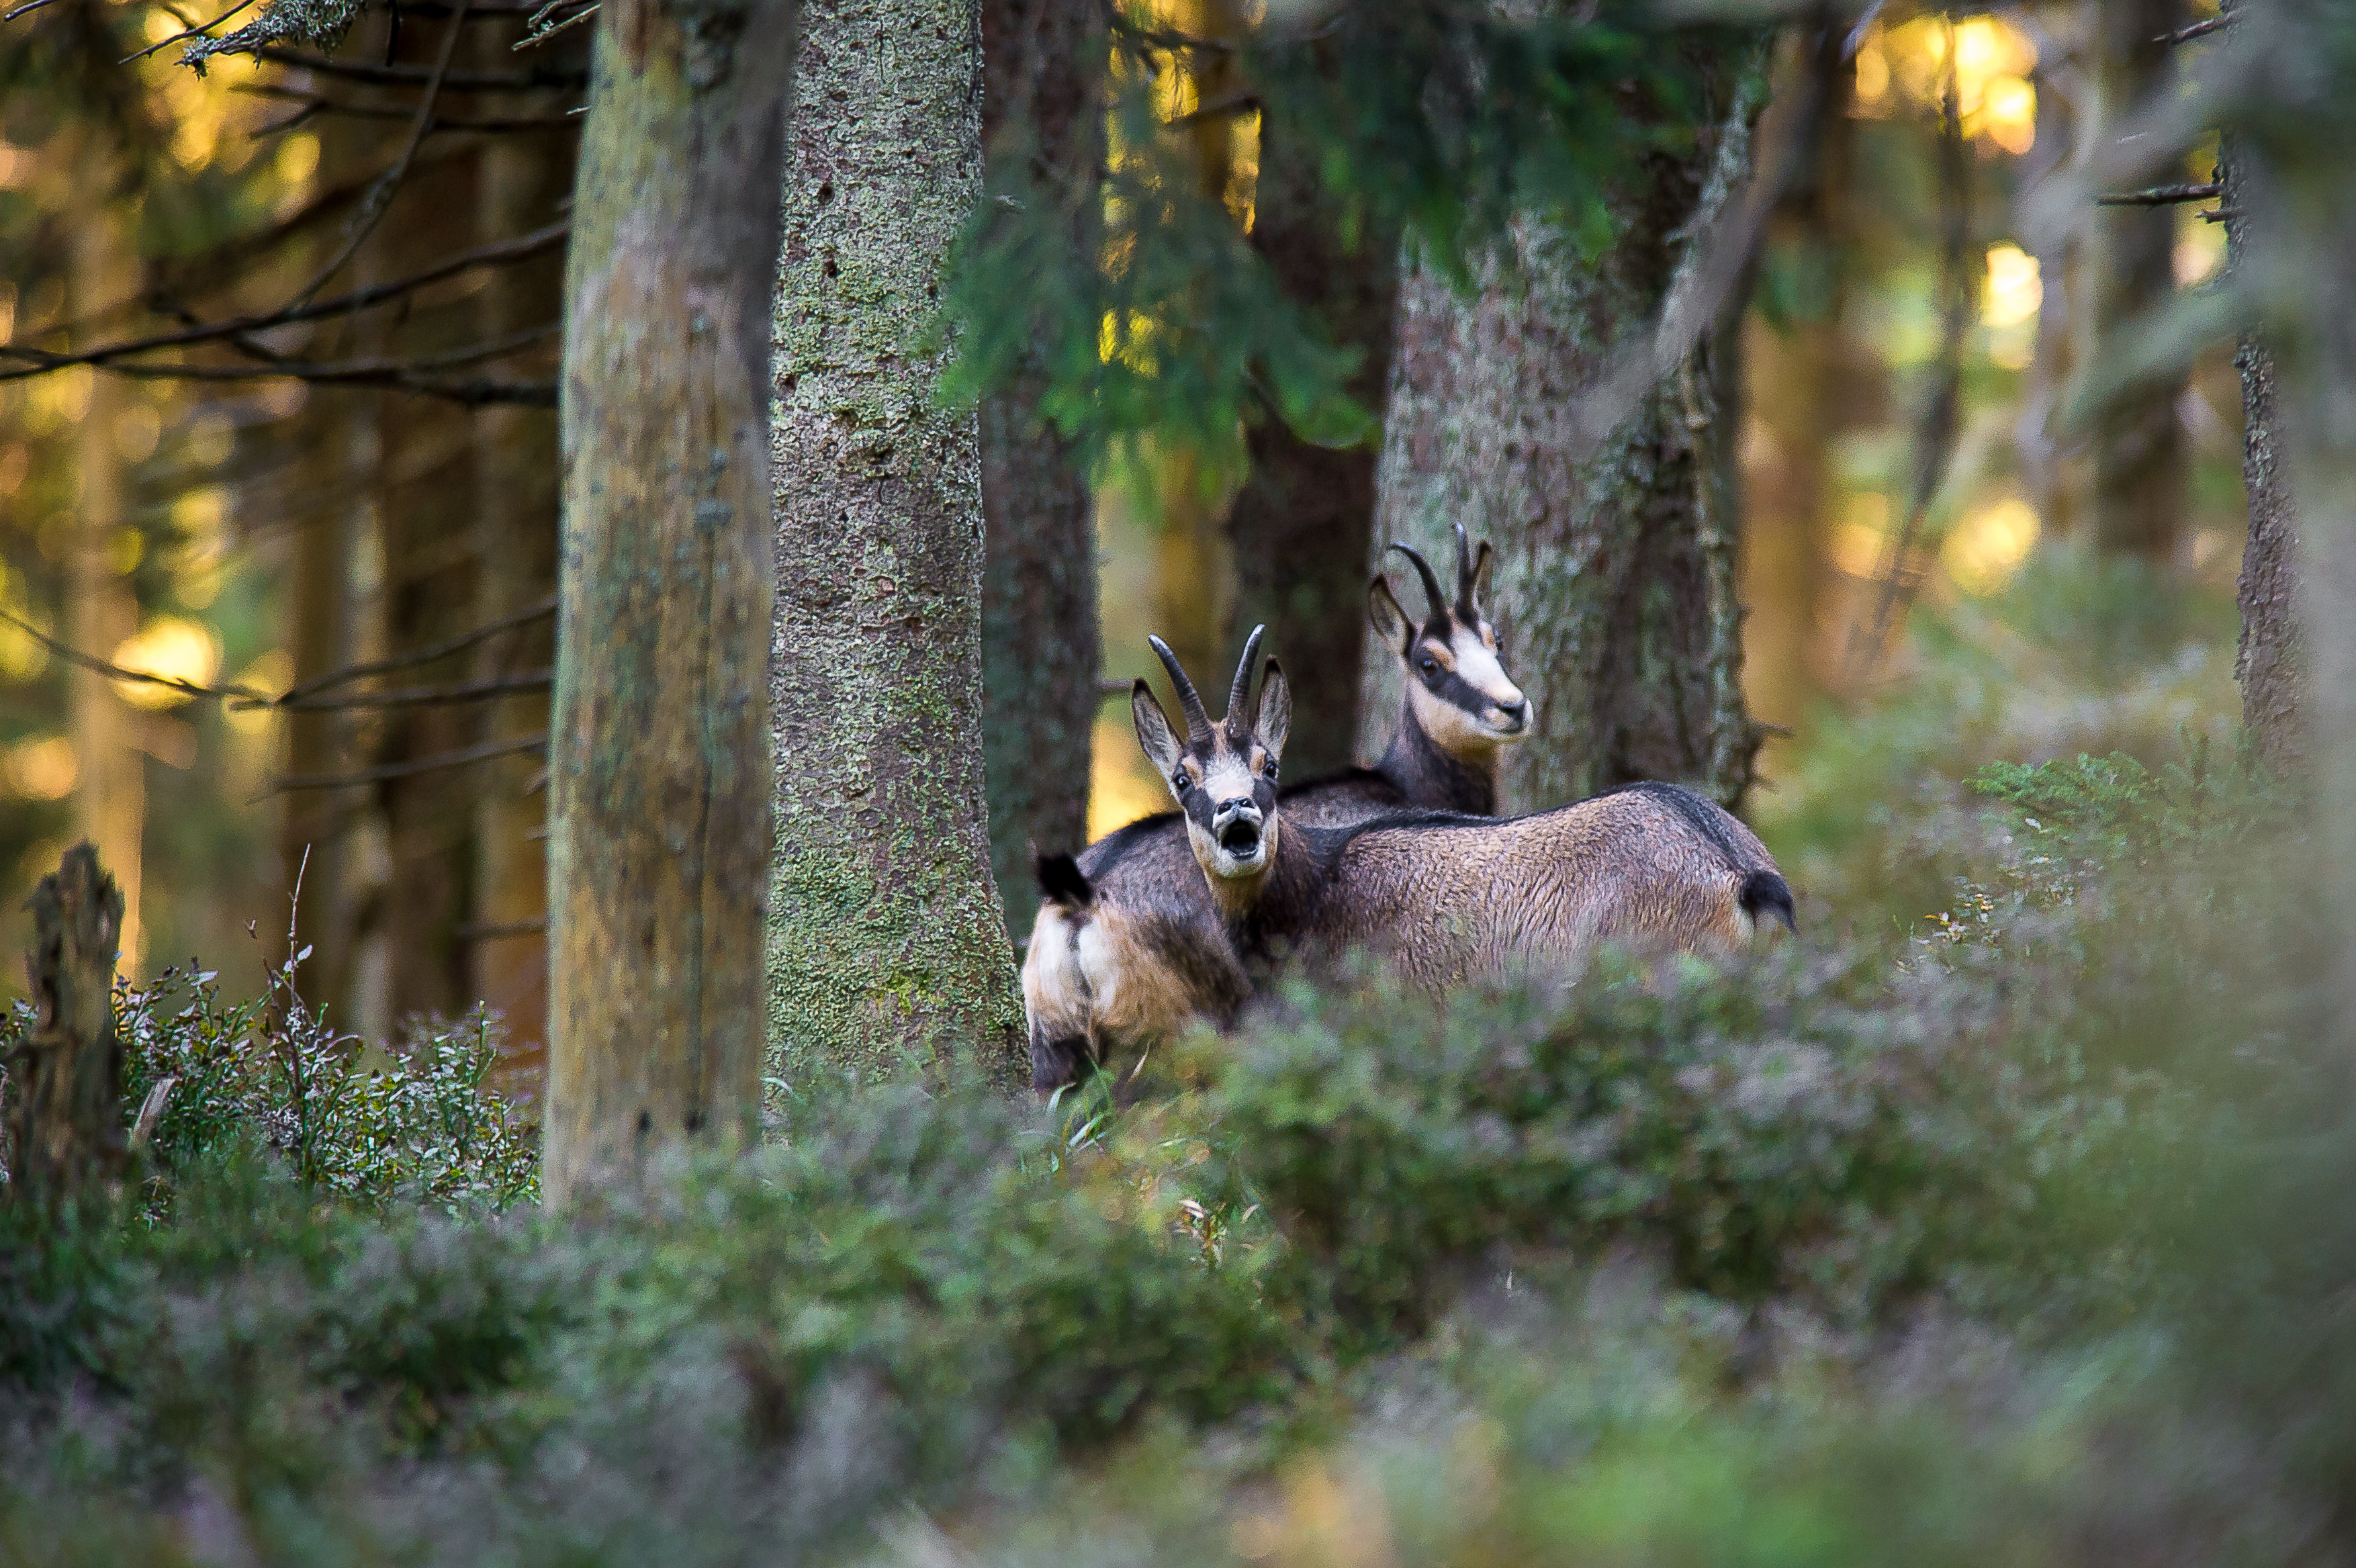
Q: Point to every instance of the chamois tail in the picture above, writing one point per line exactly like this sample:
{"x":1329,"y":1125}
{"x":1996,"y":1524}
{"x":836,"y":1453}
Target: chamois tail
{"x":1766,"y":892}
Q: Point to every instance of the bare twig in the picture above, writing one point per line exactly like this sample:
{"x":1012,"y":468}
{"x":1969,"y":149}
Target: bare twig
{"x":427,"y":654}
{"x":96,"y":666}
{"x":320,"y":103}
{"x":538,"y":80}
{"x":2198,"y":29}
{"x":422,"y":695}
{"x":379,"y":197}
{"x":459,"y":759}
{"x":503,"y":253}
{"x":2161,"y":195}
{"x":27,"y":10}
{"x":189,"y":30}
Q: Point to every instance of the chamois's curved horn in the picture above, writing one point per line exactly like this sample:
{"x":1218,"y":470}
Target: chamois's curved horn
{"x":1239,"y":715}
{"x":1198,"y":723}
{"x":1466,"y":611}
{"x":1437,"y":601}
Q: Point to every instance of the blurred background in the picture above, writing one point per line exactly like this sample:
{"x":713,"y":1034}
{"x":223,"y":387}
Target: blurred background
{"x":379,"y":483}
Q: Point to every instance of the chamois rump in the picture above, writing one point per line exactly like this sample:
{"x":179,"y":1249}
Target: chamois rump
{"x":1444,"y":896}
{"x":1128,"y":935}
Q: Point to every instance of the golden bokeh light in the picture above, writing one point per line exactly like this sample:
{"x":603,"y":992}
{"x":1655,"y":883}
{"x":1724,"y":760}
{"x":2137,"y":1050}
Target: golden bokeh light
{"x":43,"y":770}
{"x":1984,"y":550}
{"x":170,"y":646}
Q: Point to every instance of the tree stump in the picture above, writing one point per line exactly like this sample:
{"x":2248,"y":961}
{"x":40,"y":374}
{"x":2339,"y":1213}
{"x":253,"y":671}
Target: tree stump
{"x":65,"y":1114}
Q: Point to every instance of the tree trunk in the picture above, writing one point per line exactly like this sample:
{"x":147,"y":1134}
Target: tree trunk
{"x":1299,"y":530}
{"x":2271,"y":662}
{"x":1614,"y":594}
{"x":886,"y":940}
{"x":2139,"y":457}
{"x":661,"y":830}
{"x":1043,"y":123}
{"x":1813,"y":382}
{"x":111,"y":805}
{"x":65,"y":1109}
{"x":515,"y":561}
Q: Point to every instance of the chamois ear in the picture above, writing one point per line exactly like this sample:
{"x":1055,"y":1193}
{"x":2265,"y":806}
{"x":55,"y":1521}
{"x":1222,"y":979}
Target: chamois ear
{"x":1388,"y":616}
{"x":1275,"y":718}
{"x":1161,"y":747}
{"x":1483,"y":562}
{"x":1061,"y":882}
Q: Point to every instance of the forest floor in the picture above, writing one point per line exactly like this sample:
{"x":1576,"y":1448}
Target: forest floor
{"x":2001,"y":1217}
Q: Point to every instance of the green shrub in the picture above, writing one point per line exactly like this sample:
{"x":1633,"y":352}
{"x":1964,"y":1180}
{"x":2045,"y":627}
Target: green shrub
{"x":1796,"y":1127}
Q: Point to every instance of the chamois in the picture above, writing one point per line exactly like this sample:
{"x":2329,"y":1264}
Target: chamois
{"x":1459,"y":705}
{"x":1448,"y":897}
{"x":1128,"y":944}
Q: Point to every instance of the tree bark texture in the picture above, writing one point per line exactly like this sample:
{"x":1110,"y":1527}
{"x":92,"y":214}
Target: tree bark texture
{"x":887,"y":944}
{"x":1043,"y":126}
{"x":2270,"y":665}
{"x":1299,"y":529}
{"x":65,"y":1106}
{"x":660,"y":839}
{"x":1614,"y":594}
{"x":2140,"y":482}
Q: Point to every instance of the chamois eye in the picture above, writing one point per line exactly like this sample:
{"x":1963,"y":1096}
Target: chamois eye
{"x":1178,"y":780}
{"x":1429,"y":666}
{"x":1268,"y":770}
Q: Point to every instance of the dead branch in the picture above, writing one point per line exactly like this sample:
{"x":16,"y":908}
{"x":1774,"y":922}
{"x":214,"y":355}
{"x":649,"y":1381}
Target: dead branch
{"x":483,"y":753}
{"x":541,"y":80}
{"x":315,"y":104}
{"x":503,"y":253}
{"x":427,"y":654}
{"x":379,"y":197}
{"x":2198,"y":29}
{"x":421,"y":696}
{"x":2161,"y":195}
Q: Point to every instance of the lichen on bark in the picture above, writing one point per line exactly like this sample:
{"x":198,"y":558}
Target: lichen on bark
{"x":887,"y":948}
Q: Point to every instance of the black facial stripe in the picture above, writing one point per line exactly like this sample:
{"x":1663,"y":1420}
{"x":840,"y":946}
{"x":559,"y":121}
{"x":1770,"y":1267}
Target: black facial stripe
{"x":1459,"y":693}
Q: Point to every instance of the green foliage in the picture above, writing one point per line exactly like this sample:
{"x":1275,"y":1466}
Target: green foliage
{"x":270,"y":1079}
{"x":2020,"y":1236}
{"x":1799,"y":1130}
{"x":1450,"y":122}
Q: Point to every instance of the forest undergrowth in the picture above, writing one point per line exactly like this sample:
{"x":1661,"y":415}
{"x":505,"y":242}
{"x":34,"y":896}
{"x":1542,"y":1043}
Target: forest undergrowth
{"x":2001,"y":1217}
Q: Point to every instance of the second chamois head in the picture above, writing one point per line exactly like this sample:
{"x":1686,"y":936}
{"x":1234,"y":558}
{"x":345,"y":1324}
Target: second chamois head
{"x":1223,"y":775}
{"x":1457,"y":689}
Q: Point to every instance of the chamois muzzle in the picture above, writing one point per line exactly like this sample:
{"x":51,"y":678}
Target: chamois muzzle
{"x":1236,"y":825}
{"x":1513,"y":718}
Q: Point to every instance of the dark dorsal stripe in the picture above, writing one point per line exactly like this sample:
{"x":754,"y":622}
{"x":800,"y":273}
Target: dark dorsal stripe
{"x":1704,"y":816}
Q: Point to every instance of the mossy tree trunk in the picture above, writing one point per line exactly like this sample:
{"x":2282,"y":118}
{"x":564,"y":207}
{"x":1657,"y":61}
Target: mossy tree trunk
{"x":1043,"y":126}
{"x":1299,"y":530}
{"x":659,"y":834}
{"x":1614,"y":596}
{"x":2271,"y":662}
{"x":887,"y":944}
